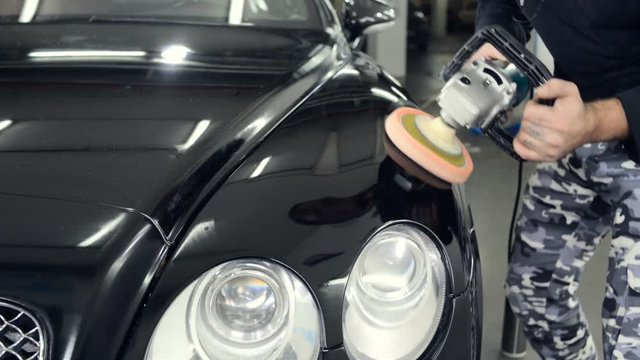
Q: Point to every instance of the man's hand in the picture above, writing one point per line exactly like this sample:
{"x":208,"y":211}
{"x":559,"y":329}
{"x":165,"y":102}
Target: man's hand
{"x":487,"y":52}
{"x":548,"y":133}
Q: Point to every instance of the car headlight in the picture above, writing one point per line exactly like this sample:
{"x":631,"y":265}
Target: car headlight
{"x":395,"y":296}
{"x":242,"y":309}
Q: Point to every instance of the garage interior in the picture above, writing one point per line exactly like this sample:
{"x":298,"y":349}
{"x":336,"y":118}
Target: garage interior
{"x":416,"y":61}
{"x":492,"y":186}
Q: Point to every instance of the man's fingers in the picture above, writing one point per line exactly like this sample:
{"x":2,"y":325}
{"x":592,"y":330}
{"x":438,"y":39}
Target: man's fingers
{"x":537,"y":113}
{"x":535,"y":131}
{"x":547,"y":136}
{"x":487,"y":52}
{"x":556,"y":88}
{"x":533,"y":148}
{"x":528,"y":148}
{"x":525,"y":153}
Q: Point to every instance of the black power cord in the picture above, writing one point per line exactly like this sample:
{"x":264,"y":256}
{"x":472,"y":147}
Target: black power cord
{"x":514,"y":214}
{"x":513,"y":340}
{"x":512,"y":227}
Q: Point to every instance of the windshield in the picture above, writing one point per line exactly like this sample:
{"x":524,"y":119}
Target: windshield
{"x":272,"y":13}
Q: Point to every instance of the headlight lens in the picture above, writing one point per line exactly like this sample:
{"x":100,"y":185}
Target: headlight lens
{"x":243,"y":309}
{"x":394,"y":297}
{"x":247,"y":305}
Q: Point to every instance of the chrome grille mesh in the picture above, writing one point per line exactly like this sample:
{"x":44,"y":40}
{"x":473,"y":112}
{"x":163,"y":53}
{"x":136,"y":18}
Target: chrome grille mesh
{"x":21,"y":336}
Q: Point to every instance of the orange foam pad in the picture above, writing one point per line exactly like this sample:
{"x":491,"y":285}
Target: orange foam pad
{"x":422,"y":155}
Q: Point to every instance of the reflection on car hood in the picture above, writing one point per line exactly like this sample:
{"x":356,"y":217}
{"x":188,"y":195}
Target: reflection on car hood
{"x":213,"y":46}
{"x":145,"y":134}
{"x":105,"y":156}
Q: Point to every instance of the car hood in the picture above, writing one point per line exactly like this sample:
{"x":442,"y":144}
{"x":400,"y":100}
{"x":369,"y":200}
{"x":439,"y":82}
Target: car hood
{"x":83,"y":118}
{"x":105,"y":157}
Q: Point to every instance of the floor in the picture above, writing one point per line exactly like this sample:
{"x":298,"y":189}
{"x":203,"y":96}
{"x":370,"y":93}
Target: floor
{"x":491,"y":192}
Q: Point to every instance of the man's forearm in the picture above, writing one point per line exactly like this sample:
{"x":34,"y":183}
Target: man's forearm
{"x":609,"y":120}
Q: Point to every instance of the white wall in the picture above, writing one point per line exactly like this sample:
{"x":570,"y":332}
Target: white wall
{"x":389,"y":48}
{"x":540,"y":50}
{"x":439,"y":20}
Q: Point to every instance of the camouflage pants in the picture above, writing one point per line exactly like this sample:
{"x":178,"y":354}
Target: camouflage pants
{"x":568,"y":207}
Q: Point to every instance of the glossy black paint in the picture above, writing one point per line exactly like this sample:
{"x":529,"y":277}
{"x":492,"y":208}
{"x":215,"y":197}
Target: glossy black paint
{"x":111,"y":204}
{"x":311,"y":195}
{"x":418,"y":27}
{"x":130,"y":136}
{"x":79,"y":266}
{"x":360,"y":15}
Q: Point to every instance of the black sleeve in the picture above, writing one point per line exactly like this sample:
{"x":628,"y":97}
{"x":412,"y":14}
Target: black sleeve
{"x":505,"y":13}
{"x":631,"y":103}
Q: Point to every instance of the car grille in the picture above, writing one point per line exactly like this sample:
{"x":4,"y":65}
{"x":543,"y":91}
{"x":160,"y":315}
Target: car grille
{"x":21,"y":336}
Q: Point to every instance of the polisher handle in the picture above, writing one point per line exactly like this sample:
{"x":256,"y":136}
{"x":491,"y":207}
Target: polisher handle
{"x":515,"y":53}
{"x":502,"y":139}
{"x":509,"y":46}
{"x":547,"y":102}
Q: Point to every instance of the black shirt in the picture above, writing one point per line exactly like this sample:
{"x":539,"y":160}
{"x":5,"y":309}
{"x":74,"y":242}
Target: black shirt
{"x":595,"y":44}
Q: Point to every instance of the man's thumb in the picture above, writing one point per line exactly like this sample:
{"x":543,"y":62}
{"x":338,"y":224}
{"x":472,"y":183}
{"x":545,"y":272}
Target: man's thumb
{"x":556,"y":88}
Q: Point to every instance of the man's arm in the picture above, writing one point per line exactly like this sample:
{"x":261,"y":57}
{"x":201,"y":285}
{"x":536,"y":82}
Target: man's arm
{"x":609,"y":119}
{"x":630,"y":102}
{"x":505,"y":13}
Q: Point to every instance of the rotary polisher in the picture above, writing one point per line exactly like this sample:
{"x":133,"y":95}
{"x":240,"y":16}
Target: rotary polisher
{"x":477,"y":94}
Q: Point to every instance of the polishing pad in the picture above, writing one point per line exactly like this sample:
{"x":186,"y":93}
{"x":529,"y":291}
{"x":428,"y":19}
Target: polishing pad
{"x":430,"y":143}
{"x":411,"y":168}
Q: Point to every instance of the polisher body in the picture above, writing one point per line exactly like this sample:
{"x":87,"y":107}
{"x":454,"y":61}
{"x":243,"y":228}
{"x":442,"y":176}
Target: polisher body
{"x":475,"y":97}
{"x":480,"y":93}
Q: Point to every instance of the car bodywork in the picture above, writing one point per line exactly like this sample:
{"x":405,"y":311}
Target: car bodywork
{"x":418,"y":27}
{"x":125,"y":179}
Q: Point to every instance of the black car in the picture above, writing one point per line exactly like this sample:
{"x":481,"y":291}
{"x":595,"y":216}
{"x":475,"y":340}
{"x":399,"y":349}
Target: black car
{"x":210,"y":180}
{"x":418,"y":27}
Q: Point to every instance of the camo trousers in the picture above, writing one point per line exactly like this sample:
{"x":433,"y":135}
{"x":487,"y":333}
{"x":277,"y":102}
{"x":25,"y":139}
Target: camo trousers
{"x":568,"y":207}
